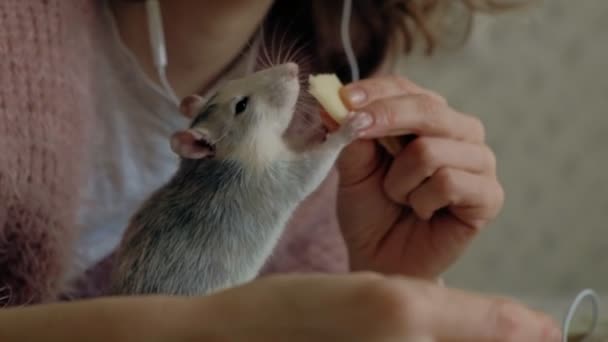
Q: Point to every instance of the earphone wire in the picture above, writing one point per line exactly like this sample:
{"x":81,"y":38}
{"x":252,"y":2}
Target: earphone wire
{"x":595,"y":307}
{"x":346,"y":40}
{"x":157,"y":42}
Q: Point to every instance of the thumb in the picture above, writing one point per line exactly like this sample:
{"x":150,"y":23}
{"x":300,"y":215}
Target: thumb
{"x":365,"y":212}
{"x":358,"y":161}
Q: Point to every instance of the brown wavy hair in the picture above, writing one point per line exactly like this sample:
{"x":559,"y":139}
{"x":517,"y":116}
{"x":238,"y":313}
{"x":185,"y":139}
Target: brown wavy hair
{"x":382,"y":30}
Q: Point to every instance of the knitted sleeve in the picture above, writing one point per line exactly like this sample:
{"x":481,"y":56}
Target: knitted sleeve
{"x":44,"y":104}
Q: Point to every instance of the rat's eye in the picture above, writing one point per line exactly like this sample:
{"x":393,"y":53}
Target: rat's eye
{"x":241,"y":105}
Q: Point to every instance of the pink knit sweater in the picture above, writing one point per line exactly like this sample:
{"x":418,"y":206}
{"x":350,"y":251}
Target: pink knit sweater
{"x":44,"y":108}
{"x":45,"y":112}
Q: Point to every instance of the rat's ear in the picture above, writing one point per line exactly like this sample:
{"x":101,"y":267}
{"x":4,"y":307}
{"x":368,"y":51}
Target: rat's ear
{"x":191,"y":144}
{"x":191,"y":105}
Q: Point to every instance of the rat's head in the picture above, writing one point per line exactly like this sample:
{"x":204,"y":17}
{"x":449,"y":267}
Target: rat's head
{"x":243,"y":116}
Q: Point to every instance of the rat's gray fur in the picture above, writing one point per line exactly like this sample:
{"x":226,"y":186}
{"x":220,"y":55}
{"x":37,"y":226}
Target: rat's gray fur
{"x":216,"y":221}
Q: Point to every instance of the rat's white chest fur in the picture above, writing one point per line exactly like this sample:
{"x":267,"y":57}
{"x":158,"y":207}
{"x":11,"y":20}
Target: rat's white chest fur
{"x":262,"y":146}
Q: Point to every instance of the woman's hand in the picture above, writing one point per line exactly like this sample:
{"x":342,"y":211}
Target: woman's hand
{"x":356,"y":307}
{"x":416,"y":213}
{"x":364,"y":307}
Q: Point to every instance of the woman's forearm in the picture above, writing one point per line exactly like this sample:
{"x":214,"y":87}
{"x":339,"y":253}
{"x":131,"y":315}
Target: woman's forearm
{"x":108,"y":319}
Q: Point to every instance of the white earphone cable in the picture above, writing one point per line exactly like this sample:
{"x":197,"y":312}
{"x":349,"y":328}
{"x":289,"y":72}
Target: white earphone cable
{"x":157,"y":42}
{"x":595,"y":306}
{"x":346,"y":40}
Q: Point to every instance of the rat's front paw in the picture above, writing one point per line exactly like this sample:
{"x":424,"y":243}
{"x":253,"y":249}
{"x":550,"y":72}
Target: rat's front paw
{"x":350,"y":127}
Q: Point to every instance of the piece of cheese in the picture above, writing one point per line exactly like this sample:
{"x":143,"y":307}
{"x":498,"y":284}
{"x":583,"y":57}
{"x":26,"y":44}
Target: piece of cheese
{"x":325,"y":88}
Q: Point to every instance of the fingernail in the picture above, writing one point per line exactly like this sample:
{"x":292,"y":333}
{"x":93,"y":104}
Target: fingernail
{"x":356,"y":96}
{"x":556,"y":335}
{"x":361,"y":121}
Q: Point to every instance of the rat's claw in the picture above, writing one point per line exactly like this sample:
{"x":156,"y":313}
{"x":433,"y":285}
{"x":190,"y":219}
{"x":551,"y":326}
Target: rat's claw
{"x":352,"y":124}
{"x":348,"y":130}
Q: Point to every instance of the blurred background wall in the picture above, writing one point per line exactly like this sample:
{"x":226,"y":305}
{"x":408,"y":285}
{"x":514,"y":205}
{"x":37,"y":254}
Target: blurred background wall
{"x":539,"y":81}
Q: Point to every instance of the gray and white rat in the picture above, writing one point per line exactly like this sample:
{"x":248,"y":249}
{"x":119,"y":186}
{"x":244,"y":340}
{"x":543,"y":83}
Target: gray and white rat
{"x":215,"y":222}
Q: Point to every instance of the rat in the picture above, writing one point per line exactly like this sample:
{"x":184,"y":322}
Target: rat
{"x":217,"y":219}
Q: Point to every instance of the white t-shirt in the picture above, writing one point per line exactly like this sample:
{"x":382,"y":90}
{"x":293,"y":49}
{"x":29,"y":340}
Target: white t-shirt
{"x":131,"y":156}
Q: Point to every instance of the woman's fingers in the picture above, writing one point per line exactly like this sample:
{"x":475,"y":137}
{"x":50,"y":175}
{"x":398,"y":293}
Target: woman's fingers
{"x":461,"y":316}
{"x":364,"y":92}
{"x":417,"y":310}
{"x":422,"y":115}
{"x":370,"y":307}
{"x":421,"y":158}
{"x":474,"y":199}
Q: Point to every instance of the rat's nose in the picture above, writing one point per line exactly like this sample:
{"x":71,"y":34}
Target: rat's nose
{"x":292,"y":69}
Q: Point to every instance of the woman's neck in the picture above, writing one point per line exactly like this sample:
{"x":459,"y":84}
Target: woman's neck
{"x":202,"y":37}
